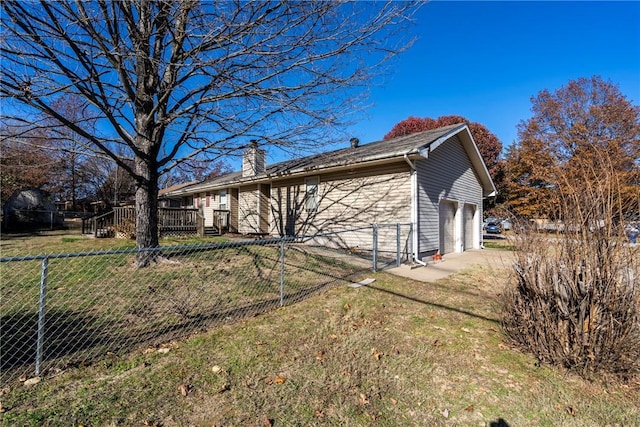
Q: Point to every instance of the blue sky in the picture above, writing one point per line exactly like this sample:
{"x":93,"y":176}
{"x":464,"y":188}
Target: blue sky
{"x":485,"y":60}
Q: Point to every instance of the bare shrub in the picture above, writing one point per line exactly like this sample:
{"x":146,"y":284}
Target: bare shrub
{"x":576,"y":298}
{"x":126,"y":229}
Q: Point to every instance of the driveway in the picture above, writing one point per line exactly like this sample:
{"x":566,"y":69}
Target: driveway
{"x":452,"y":263}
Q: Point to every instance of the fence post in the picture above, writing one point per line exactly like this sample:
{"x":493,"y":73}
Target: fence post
{"x":41,"y":313}
{"x":398,"y":253}
{"x":282,"y":271}
{"x":375,"y":247}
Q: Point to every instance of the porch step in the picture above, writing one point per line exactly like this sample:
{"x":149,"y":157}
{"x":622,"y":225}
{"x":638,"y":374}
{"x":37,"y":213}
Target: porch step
{"x":103,"y":232}
{"x":211,"y":231}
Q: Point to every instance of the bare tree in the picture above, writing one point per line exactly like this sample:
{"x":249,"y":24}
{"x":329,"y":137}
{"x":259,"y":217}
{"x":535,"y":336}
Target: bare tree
{"x":72,"y":151}
{"x":194,"y":170}
{"x":169,"y":80}
{"x":26,"y":161}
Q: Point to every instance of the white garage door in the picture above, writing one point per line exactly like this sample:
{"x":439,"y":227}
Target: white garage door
{"x":447,"y":227}
{"x":469,"y":212}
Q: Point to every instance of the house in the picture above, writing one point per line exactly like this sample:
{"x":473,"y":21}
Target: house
{"x":166,"y":200}
{"x":31,"y":209}
{"x":435,"y":180}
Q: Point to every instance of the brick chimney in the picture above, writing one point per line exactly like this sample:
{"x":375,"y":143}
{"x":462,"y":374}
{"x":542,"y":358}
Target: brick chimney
{"x":253,"y":160}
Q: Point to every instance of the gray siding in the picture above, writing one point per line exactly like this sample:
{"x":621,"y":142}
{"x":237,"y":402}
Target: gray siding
{"x":446,"y":175}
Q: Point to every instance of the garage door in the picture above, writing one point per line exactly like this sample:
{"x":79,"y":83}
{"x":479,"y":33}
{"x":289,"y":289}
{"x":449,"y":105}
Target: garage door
{"x":447,"y":227}
{"x":469,"y":212}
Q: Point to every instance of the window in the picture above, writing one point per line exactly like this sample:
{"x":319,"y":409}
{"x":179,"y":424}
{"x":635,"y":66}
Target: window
{"x":311,"y":194}
{"x":223,"y":200}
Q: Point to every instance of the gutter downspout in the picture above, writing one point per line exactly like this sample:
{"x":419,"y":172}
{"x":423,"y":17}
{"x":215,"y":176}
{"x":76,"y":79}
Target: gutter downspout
{"x":414,"y":210}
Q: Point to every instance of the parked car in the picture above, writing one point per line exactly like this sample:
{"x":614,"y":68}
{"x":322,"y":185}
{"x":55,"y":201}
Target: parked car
{"x":506,"y":224}
{"x":489,"y":220}
{"x":493,"y":228}
{"x":632,"y":231}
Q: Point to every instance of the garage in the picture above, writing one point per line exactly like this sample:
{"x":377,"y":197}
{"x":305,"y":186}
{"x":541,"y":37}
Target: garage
{"x":447,"y":213}
{"x":469,"y":230}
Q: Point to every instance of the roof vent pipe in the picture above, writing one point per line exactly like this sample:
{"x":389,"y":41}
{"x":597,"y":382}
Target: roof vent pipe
{"x":354,"y":142}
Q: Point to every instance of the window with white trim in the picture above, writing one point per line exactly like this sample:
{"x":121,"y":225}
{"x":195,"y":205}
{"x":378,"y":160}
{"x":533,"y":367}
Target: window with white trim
{"x":311,"y":194}
{"x":223,"y":200}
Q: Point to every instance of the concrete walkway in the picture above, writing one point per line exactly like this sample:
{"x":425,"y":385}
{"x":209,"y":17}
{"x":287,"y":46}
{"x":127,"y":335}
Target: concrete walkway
{"x":452,"y":263}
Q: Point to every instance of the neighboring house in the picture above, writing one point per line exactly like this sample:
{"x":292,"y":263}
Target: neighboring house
{"x":166,"y":200}
{"x":31,"y":209}
{"x":435,"y":180}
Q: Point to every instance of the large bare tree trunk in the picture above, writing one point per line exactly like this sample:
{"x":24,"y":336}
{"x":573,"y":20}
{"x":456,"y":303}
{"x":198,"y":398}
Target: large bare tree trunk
{"x":146,"y":212}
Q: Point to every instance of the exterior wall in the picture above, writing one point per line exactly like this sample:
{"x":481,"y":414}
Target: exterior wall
{"x":233,"y":200}
{"x":446,"y":175}
{"x":248,"y":217}
{"x":264,"y":208}
{"x":346,"y":200}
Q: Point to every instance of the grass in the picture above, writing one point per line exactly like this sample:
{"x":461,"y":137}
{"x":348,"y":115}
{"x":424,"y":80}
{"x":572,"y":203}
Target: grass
{"x":97,"y":305}
{"x":71,"y":241}
{"x":397,"y":352}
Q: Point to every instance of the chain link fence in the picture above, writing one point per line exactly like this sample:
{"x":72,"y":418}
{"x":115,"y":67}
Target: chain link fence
{"x":65,"y":310}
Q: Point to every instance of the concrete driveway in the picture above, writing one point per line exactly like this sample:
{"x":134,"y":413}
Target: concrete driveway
{"x":452,"y":263}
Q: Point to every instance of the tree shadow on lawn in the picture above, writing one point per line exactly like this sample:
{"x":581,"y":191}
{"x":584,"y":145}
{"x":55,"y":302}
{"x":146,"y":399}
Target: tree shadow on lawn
{"x":75,"y":338}
{"x":435,"y":304}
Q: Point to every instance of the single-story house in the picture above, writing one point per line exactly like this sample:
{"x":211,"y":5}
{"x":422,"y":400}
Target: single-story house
{"x":435,"y":180}
{"x":167,"y":199}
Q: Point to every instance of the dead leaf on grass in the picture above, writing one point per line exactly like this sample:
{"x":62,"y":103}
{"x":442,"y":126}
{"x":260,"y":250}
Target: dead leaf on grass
{"x":183,"y":389}
{"x":393,"y":401}
{"x":32,"y":381}
{"x":319,"y":414}
{"x":320,"y":355}
{"x":571,"y":411}
{"x":363,"y":399}
{"x":268,"y":422}
{"x":376,"y":354}
{"x":279,"y":380}
{"x":469,"y":408}
{"x":347,"y":306}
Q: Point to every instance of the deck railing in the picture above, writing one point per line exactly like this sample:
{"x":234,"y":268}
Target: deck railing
{"x":100,"y":225}
{"x":170,"y":221}
{"x":221,"y":220}
{"x":177,"y":218}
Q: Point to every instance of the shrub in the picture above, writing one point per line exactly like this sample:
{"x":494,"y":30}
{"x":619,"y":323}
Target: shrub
{"x":575,"y":300}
